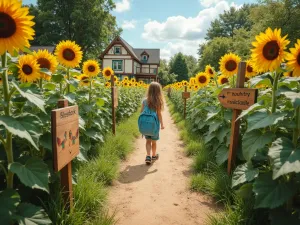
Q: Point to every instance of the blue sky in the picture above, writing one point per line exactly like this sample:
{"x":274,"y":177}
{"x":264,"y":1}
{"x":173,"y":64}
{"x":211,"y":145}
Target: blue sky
{"x":171,"y":25}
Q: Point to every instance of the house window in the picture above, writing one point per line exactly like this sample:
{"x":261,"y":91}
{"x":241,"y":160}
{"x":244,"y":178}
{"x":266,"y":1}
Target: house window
{"x":117,"y":65}
{"x":117,"y":50}
{"x":144,"y":57}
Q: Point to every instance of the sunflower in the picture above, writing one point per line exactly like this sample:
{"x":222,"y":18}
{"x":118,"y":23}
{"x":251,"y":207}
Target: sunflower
{"x":222,"y":79}
{"x":132,"y":80}
{"x":107,"y":84}
{"x":209,"y":70}
{"x":192,"y":81}
{"x":293,"y":59}
{"x":268,"y":52}
{"x":68,"y":53}
{"x":15,"y":26}
{"x":229,"y":64}
{"x":125,"y":83}
{"x":28,"y":69}
{"x":130,"y":84}
{"x":46,"y":61}
{"x":184,"y":83}
{"x":289,"y":74}
{"x":202,"y":79}
{"x":107,"y":72}
{"x":141,"y":82}
{"x":84,"y":80}
{"x":125,"y":78}
{"x":91,"y":68}
{"x":115,"y":79}
{"x":196,"y":87}
{"x":118,"y":83}
{"x":190,"y":87}
{"x":250,"y":72}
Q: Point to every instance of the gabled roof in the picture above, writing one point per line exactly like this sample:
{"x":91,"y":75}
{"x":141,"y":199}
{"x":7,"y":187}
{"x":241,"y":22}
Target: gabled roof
{"x":136,"y":53}
{"x":49,"y":48}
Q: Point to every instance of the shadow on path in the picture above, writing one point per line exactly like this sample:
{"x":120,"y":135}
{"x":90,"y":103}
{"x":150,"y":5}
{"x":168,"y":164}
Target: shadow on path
{"x":135,"y":173}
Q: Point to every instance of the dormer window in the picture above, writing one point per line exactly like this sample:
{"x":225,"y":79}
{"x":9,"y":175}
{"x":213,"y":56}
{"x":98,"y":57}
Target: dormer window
{"x":144,"y":57}
{"x":117,"y":50}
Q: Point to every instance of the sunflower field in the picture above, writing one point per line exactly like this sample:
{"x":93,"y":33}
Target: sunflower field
{"x":268,"y":164}
{"x":31,"y":85}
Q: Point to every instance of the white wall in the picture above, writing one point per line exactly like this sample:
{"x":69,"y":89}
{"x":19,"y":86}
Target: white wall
{"x":128,"y":65}
{"x":123,"y":50}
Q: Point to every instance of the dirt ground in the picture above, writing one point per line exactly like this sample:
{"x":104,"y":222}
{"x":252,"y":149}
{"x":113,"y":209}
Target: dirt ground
{"x":158,"y":194}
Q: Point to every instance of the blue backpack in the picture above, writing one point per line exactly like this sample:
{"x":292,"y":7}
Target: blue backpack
{"x":148,"y":122}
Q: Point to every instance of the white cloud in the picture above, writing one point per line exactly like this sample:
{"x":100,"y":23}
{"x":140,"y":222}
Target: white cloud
{"x":128,"y":25}
{"x":183,"y":33}
{"x":123,"y":5}
{"x":208,"y":3}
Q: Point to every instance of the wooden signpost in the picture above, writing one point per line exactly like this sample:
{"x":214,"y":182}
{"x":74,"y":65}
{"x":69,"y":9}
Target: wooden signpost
{"x":114,"y":98}
{"x":65,"y":144}
{"x":185,"y":96}
{"x":238,"y":99}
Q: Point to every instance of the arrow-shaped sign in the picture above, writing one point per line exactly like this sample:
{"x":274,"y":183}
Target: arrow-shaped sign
{"x":238,"y":98}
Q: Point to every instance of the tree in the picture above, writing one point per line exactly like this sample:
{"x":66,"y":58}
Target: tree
{"x":178,"y":66}
{"x":229,"y":21}
{"x":87,"y":22}
{"x":213,"y":51}
{"x":191,"y":62}
{"x":164,"y":75}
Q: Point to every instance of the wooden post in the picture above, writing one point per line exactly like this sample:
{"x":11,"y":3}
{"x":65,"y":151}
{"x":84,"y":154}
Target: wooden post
{"x":184,"y":112}
{"x":66,"y":172}
{"x":112,"y":80}
{"x":235,"y":124}
{"x":169,"y":92}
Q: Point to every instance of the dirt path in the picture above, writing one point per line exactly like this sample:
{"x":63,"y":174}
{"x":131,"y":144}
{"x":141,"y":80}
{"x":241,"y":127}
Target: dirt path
{"x":158,"y":194}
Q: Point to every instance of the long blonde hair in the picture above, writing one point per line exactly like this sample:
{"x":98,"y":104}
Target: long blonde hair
{"x":155,"y":97}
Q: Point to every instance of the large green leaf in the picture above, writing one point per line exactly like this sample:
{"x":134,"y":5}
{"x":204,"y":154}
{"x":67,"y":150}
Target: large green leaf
{"x":46,"y":141}
{"x":255,"y":140}
{"x":256,"y":106}
{"x":265,"y":80}
{"x":285,"y":158}
{"x":35,"y":99}
{"x":244,"y":173}
{"x":271,"y":193}
{"x":9,"y":200}
{"x":222,"y":133}
{"x":294,"y":97}
{"x":33,"y":174}
{"x":214,"y":126}
{"x":222,"y":155}
{"x":31,"y":123}
{"x":16,"y":128}
{"x":29,"y":214}
{"x":262,"y":119}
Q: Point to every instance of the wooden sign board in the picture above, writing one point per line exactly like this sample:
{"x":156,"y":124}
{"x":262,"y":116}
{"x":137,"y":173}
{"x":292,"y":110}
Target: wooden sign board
{"x":238,"y":98}
{"x":65,"y":135}
{"x":115,"y":90}
{"x":186,"y":95}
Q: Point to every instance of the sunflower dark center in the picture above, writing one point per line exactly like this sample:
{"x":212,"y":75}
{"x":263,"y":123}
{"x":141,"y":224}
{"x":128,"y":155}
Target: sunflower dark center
{"x":27,"y":69}
{"x":249,"y":69}
{"x":298,"y":58}
{"x":210,"y":71}
{"x":44,"y":63}
{"x":107,"y":73}
{"x":290,"y":74}
{"x":69,"y":54}
{"x":271,"y":50}
{"x":85,"y":80}
{"x":246,"y":79}
{"x":224,"y":80}
{"x":7,"y":26}
{"x":91,"y":68}
{"x":202,"y":79}
{"x":230,"y":65}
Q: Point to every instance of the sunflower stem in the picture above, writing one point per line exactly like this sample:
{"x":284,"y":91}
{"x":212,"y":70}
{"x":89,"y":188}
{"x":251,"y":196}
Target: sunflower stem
{"x":41,"y":83}
{"x":90,"y":92}
{"x":274,"y":90}
{"x":296,"y":132}
{"x":61,"y":89}
{"x":68,"y":85}
{"x":8,"y":145}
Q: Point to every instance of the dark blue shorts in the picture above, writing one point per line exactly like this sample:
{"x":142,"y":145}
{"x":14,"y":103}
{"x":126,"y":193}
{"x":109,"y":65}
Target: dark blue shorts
{"x":153,"y":138}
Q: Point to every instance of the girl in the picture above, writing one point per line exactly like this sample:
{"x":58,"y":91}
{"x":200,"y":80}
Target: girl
{"x":154,"y":101}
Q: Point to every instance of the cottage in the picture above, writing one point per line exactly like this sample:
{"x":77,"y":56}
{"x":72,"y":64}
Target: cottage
{"x":141,"y":64}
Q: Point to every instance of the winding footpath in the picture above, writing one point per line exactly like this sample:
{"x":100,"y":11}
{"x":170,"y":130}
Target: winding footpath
{"x":158,"y":194}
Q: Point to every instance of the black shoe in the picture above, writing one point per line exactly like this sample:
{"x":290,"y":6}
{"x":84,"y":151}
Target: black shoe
{"x":155,"y":157}
{"x":148,"y":160}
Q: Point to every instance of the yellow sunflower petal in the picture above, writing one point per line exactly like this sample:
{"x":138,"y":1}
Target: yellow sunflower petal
{"x":68,"y":53}
{"x":107,"y":73}
{"x":229,"y":64}
{"x":91,"y":68}
{"x":28,"y":69}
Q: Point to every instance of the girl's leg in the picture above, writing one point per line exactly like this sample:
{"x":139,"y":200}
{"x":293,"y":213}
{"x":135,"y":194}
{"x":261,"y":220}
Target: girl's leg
{"x":153,"y":148}
{"x":148,"y":147}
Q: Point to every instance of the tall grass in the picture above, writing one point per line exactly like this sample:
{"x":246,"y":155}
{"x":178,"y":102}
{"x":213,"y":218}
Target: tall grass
{"x":93,"y":177}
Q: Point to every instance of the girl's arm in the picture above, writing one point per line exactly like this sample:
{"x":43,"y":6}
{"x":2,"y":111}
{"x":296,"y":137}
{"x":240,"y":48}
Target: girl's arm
{"x":160,"y":119}
{"x":142,"y":109}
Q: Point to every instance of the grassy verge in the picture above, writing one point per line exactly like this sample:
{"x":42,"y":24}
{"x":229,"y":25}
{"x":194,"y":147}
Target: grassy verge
{"x":212,"y":179}
{"x":93,"y":177}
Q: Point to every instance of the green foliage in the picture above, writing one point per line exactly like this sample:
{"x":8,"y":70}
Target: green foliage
{"x":89,"y":23}
{"x":179,"y":67}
